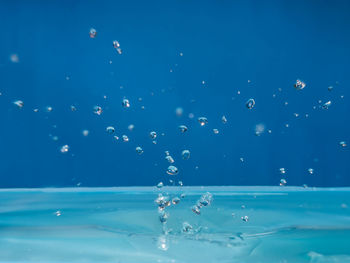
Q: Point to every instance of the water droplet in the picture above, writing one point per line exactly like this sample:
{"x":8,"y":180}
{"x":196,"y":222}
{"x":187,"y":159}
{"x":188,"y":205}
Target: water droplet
{"x":153,"y":135}
{"x":223,"y":119}
{"x":185,"y":154}
{"x":187,"y":228}
{"x":282,"y":170}
{"x":162,"y":243}
{"x":160,"y":185}
{"x":202,"y":121}
{"x":216,"y":131}
{"x":172,"y":170}
{"x":73,"y":108}
{"x":250,"y":103}
{"x":180,"y":183}
{"x":110,"y":129}
{"x":85,"y":132}
{"x":310,"y":170}
{"x":14,"y":58}
{"x":125,"y":103}
{"x":183,"y":128}
{"x":92,"y":32}
{"x":175,"y":200}
{"x":283,"y":182}
{"x":342,"y":144}
{"x":139,"y":150}
{"x":58,"y":213}
{"x":245,"y":218}
{"x":116,"y":45}
{"x":169,"y":159}
{"x":163,"y":216}
{"x":48,"y":108}
{"x":196,"y":210}
{"x":330,"y":88}
{"x":125,"y":138}
{"x":131,"y":127}
{"x":64,"y":148}
{"x":97,"y":110}
{"x":326,"y":105}
{"x":299,"y":85}
{"x":19,"y":103}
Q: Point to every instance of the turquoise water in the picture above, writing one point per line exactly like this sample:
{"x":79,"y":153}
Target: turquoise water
{"x":285,"y":224}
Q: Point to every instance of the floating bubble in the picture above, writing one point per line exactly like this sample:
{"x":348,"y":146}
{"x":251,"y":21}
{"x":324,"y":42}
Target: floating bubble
{"x":116,"y":137}
{"x":125,"y":103}
{"x":283,"y":182}
{"x":191,"y":115}
{"x":97,"y":110}
{"x":259,"y":129}
{"x":245,"y":218}
{"x":167,"y":153}
{"x":205,"y":200}
{"x":139,"y":150}
{"x":48,"y":108}
{"x":180,"y":183}
{"x":326,"y":105}
{"x":35,"y":110}
{"x":160,"y":185}
{"x":216,"y":131}
{"x":250,"y":103}
{"x":92,"y":32}
{"x":187,"y":228}
{"x":162,"y":243}
{"x":175,"y":200}
{"x":185,"y":154}
{"x":342,"y":144}
{"x":172,"y":170}
{"x":14,"y":58}
{"x":183,"y":128}
{"x":125,"y":138}
{"x":116,"y":45}
{"x":330,"y":88}
{"x":19,"y":103}
{"x":223,"y":119}
{"x":169,"y":159}
{"x":163,"y":216}
{"x":202,"y":121}
{"x":153,"y":135}
{"x":110,"y":129}
{"x":64,"y":148}
{"x":196,"y":210}
{"x":131,"y":127}
{"x":310,"y":170}
{"x":282,"y":170}
{"x":179,"y":111}
{"x":299,"y":85}
{"x":58,"y":213}
{"x":73,"y":108}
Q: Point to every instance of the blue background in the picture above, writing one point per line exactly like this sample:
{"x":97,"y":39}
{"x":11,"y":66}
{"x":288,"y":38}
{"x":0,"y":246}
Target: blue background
{"x":224,"y":43}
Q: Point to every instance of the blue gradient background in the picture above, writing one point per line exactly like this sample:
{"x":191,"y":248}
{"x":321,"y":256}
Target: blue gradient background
{"x":225,"y":43}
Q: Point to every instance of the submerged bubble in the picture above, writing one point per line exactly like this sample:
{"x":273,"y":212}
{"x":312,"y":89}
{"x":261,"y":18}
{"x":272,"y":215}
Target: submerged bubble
{"x":330,"y":88}
{"x":139,"y":150}
{"x":179,"y":111}
{"x":19,"y":103}
{"x":183,"y":128}
{"x":223,"y":119}
{"x":175,"y":200}
{"x":196,"y":210}
{"x":202,"y":121}
{"x":169,"y":159}
{"x":73,"y":108}
{"x":162,"y":243}
{"x":172,"y":170}
{"x":342,"y":144}
{"x":97,"y":110}
{"x":125,"y":103}
{"x":48,"y":108}
{"x":245,"y":218}
{"x":310,"y":170}
{"x":160,"y":185}
{"x":116,"y":45}
{"x":92,"y":32}
{"x":216,"y":131}
{"x":163,"y":216}
{"x":283,"y":182}
{"x":64,"y":148}
{"x":250,"y":103}
{"x":187,"y":228}
{"x":58,"y":213}
{"x":299,"y":85}
{"x":110,"y":129}
{"x":131,"y":127}
{"x":153,"y":135}
{"x":85,"y":132}
{"x":282,"y":170}
{"x":125,"y":138}
{"x":185,"y":154}
{"x":326,"y":105}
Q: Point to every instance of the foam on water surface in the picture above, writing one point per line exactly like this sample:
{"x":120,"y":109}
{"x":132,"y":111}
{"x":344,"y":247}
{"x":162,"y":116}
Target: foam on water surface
{"x":286,"y":224}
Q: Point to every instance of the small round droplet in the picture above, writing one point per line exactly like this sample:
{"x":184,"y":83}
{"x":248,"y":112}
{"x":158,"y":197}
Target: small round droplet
{"x":185,"y":154}
{"x":310,"y":170}
{"x":73,"y":108}
{"x":131,"y":127}
{"x":58,"y":213}
{"x":216,"y":131}
{"x":223,"y":119}
{"x":202,"y":121}
{"x":343,"y":144}
{"x":172,"y":170}
{"x":250,"y":103}
{"x":125,"y":103}
{"x":183,"y":128}
{"x":97,"y":110}
{"x":19,"y":103}
{"x":299,"y":85}
{"x":85,"y":132}
{"x":110,"y":129}
{"x":153,"y":135}
{"x":330,"y":88}
{"x":160,"y":185}
{"x":179,"y":111}
{"x":196,"y":210}
{"x":64,"y":148}
{"x":116,"y":45}
{"x":169,"y":159}
{"x":283,"y":182}
{"x":282,"y":171}
{"x":48,"y":108}
{"x":175,"y":200}
{"x":245,"y":218}
{"x":139,"y":150}
{"x":125,"y":138}
{"x":92,"y":32}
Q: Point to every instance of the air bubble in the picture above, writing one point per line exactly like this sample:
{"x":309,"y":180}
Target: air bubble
{"x":153,"y":135}
{"x":125,"y":103}
{"x":223,"y":119}
{"x":216,"y":131}
{"x":185,"y":154}
{"x":299,"y":85}
{"x":250,"y":103}
{"x":183,"y":128}
{"x":326,"y":105}
{"x":283,"y":182}
{"x":97,"y":110}
{"x":172,"y":170}
{"x":125,"y":138}
{"x":92,"y":32}
{"x":139,"y":150}
{"x":64,"y":148}
{"x":110,"y":129}
{"x":19,"y":103}
{"x":202,"y":121}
